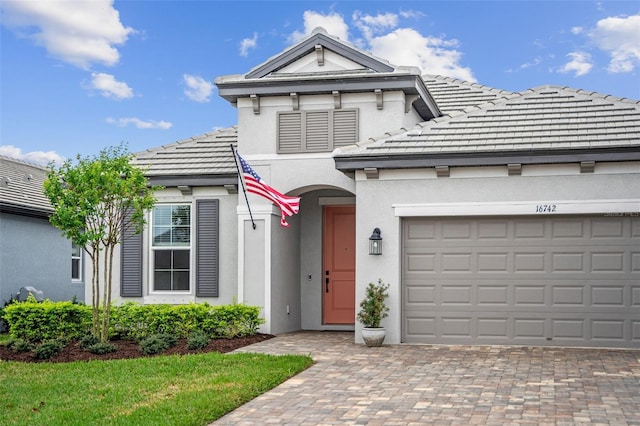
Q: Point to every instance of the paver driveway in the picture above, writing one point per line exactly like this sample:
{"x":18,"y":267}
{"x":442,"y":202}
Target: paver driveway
{"x":442,"y":385}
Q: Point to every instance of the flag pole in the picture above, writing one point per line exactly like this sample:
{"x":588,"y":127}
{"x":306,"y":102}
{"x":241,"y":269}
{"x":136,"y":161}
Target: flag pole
{"x":235,"y":158}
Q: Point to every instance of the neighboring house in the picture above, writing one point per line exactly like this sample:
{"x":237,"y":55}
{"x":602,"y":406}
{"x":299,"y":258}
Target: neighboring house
{"x":506,"y":218}
{"x":32,"y":252}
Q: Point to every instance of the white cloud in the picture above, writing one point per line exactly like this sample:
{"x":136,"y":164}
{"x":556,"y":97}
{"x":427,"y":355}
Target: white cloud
{"x":577,"y":30}
{"x":42,"y":158}
{"x":198,"y":89}
{"x":333,"y":22}
{"x":248,"y":43}
{"x":109,"y":87}
{"x":620,"y":38}
{"x":140,"y":124}
{"x":77,"y":32}
{"x":400,"y":46}
{"x":433,"y":55}
{"x":370,"y":25}
{"x":580,"y":64}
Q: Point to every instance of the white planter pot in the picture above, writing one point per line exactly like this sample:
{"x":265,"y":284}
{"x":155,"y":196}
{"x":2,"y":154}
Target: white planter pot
{"x":373,"y":336}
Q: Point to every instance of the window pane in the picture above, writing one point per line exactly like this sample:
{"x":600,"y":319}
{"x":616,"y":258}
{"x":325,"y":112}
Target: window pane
{"x":162,"y":280}
{"x":75,"y":250}
{"x":181,"y":236}
{"x":161,"y":236}
{"x":181,"y":259}
{"x":162,"y":216}
{"x":162,"y":259}
{"x":75,"y":269}
{"x":181,"y":280}
{"x":181,"y":215}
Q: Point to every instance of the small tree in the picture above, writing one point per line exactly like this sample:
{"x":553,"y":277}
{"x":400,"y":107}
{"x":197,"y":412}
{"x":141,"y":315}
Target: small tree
{"x":95,"y":201}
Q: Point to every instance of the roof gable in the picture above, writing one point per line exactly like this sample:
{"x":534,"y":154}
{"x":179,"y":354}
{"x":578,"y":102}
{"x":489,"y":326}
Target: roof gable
{"x":312,"y":50}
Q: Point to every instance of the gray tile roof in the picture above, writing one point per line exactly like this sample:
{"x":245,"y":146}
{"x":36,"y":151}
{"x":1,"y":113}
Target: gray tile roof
{"x":208,"y":154}
{"x":455,"y":95}
{"x":21,"y":188}
{"x":546,"y":118}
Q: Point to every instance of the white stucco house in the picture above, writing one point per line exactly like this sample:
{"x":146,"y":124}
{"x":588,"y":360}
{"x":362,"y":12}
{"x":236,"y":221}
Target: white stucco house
{"x":506,"y":218}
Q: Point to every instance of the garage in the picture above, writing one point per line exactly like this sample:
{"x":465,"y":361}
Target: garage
{"x":553,"y":280}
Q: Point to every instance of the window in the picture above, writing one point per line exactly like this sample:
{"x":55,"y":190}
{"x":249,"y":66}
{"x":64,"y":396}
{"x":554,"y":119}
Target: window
{"x":76,"y":262}
{"x":171,"y":247}
{"x":182,"y":251}
{"x":316,"y":131}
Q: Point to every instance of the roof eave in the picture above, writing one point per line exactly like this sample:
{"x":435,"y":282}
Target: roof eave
{"x":173,"y":181}
{"x":410,"y":84}
{"x":412,"y":161}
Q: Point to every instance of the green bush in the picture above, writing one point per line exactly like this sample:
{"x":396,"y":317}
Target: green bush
{"x":157,"y":343}
{"x":49,"y":348}
{"x":88,"y":340}
{"x":101,"y":348}
{"x":19,"y":345}
{"x":197,"y":340}
{"x":135,"y":321}
{"x":39,"y":321}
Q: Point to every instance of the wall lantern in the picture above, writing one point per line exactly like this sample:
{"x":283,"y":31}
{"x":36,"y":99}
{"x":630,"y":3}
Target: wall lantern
{"x":375,"y":242}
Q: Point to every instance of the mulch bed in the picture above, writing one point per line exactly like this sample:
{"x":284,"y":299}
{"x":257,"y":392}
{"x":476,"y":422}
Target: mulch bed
{"x":131,"y":349}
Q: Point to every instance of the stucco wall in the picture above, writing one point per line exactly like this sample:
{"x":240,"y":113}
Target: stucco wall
{"x":376,"y":198}
{"x":34,"y":253}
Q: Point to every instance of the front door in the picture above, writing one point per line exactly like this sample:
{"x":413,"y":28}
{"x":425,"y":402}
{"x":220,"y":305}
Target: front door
{"x":339,"y":261}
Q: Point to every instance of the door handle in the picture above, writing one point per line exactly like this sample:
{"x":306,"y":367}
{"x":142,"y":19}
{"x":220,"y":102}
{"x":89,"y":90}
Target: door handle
{"x":326,"y":282}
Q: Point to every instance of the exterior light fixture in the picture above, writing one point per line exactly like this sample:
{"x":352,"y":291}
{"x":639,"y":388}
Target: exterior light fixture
{"x":375,"y":242}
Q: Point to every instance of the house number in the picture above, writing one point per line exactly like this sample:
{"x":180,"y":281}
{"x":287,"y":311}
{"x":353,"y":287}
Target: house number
{"x":545,"y":208}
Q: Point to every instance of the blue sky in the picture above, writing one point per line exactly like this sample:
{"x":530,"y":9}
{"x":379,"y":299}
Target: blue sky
{"x":78,"y":76}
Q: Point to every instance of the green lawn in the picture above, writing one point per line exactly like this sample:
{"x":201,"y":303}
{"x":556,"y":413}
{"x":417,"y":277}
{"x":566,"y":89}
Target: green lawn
{"x":163,"y":390}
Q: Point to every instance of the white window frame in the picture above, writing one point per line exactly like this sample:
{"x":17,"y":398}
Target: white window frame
{"x":153,"y":248}
{"x":78,"y":258}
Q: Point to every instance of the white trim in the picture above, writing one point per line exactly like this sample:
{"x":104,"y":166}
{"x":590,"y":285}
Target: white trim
{"x":520,"y":208}
{"x":153,"y":294}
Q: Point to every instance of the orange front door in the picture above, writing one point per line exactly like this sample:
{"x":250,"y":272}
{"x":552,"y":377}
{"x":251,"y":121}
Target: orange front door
{"x":339,"y":261}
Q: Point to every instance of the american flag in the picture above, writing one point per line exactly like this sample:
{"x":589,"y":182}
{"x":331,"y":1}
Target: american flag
{"x":254,"y":183}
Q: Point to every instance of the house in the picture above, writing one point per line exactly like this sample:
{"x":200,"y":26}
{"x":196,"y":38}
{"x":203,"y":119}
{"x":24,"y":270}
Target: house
{"x":506,"y":218}
{"x":33,"y":253}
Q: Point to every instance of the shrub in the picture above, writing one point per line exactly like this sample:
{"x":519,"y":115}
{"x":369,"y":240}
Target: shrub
{"x":157,"y":343}
{"x":135,"y":321}
{"x":19,"y":345}
{"x":101,"y":348}
{"x":39,"y":321}
{"x":48,"y":349}
{"x":88,"y":340}
{"x":197,"y":340}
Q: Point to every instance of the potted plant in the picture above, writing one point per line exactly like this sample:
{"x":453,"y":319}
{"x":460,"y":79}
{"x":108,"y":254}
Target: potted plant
{"x":372,"y":310}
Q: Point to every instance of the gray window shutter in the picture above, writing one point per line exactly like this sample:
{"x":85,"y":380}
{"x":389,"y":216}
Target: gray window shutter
{"x":290,"y":132}
{"x":345,"y":127}
{"x":131,"y":264}
{"x":207,"y":241}
{"x":317,"y":131}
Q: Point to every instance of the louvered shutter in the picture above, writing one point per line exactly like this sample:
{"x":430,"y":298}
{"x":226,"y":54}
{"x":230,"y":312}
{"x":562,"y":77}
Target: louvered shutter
{"x":207,"y":247}
{"x":290,"y":132}
{"x":345,"y":127}
{"x":131,"y":263}
{"x":317,"y":131}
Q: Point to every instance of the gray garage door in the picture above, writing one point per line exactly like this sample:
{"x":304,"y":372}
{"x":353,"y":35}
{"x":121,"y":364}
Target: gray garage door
{"x":571,"y":281}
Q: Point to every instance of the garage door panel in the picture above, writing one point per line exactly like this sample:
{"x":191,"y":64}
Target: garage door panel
{"x":551,"y":281}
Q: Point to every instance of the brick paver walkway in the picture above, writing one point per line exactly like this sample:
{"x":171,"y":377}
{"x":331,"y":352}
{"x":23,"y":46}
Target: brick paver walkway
{"x":445,"y":385}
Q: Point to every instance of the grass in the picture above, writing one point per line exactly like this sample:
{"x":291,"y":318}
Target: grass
{"x":168,"y":390}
